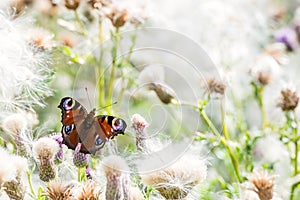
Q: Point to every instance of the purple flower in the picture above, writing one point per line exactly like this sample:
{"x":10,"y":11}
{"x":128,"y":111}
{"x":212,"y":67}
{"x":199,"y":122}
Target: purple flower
{"x":59,"y":157}
{"x":80,"y":159}
{"x":58,"y":138}
{"x":287,"y":36}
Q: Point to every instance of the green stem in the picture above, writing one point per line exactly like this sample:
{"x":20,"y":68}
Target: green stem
{"x":233,"y":159}
{"x":224,"y":141}
{"x":294,"y":186}
{"x":292,"y":121}
{"x":101,"y":80}
{"x":81,"y":174}
{"x":30,"y":183}
{"x":259,"y":90}
{"x":81,"y":25}
{"x":113,"y":69}
{"x":225,"y":131}
{"x":133,"y":40}
{"x":296,"y":139}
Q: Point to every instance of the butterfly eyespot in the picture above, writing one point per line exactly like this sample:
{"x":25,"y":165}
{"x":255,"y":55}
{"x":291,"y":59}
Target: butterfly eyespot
{"x":68,"y":129}
{"x":117,"y":124}
{"x":98,"y":141}
{"x":68,"y":104}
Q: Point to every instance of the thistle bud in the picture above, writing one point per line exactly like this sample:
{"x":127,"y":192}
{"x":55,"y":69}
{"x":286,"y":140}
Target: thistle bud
{"x":80,"y":159}
{"x":59,"y":156}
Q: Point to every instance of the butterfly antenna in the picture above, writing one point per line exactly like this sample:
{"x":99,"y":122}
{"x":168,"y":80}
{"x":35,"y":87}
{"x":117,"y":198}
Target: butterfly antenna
{"x":88,"y":96}
{"x":106,"y":106}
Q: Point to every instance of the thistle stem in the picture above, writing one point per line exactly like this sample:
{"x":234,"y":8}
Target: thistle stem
{"x":224,"y":141}
{"x":101,"y":80}
{"x":113,"y":69}
{"x":224,"y":126}
{"x":295,"y":159}
{"x":259,"y":90}
{"x":79,"y":21}
{"x":30,"y":183}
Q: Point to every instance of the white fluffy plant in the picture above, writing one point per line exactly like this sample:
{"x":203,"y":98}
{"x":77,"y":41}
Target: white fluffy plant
{"x":24,"y":67}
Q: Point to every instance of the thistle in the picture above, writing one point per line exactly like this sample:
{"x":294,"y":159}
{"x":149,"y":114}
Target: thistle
{"x":289,"y":99}
{"x":287,"y":36}
{"x":80,"y":160}
{"x":11,"y":172}
{"x":45,"y":150}
{"x":117,"y":178}
{"x":16,"y":125}
{"x":139,"y":124}
{"x":25,"y":78}
{"x":118,"y":17}
{"x":263,"y":184}
{"x":56,"y":190}
{"x":215,"y":87}
{"x":90,"y":191}
{"x":176,"y":181}
{"x":265,"y":69}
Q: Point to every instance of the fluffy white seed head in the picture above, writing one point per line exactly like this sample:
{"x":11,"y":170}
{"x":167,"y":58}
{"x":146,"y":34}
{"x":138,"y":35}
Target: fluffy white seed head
{"x":45,"y":148}
{"x":20,"y":164}
{"x":14,"y":123}
{"x":185,"y":173}
{"x":114,"y":165}
{"x":7,"y":170}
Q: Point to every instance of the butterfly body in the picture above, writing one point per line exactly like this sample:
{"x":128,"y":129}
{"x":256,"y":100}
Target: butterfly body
{"x":91,"y":131}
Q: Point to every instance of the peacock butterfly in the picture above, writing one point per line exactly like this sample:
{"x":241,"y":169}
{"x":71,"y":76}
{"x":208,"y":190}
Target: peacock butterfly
{"x":91,"y":131}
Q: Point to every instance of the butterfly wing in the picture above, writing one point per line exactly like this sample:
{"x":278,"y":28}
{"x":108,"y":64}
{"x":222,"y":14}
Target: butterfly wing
{"x":73,"y":114}
{"x":111,"y":126}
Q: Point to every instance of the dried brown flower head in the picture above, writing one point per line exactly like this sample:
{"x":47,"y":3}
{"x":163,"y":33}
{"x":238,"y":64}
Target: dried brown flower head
{"x":20,"y":5}
{"x":118,"y":17}
{"x":164,"y":93}
{"x":72,"y":4}
{"x":56,"y":190}
{"x":289,"y":99}
{"x":89,"y":191}
{"x":265,"y":69}
{"x":263,"y":184}
{"x":215,"y":86}
{"x":99,"y":3}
